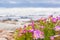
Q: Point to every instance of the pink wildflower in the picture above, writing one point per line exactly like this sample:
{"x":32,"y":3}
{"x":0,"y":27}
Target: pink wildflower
{"x":54,"y":20}
{"x":58,"y":17}
{"x":52,"y":37}
{"x":38,"y":34}
{"x":57,"y":28}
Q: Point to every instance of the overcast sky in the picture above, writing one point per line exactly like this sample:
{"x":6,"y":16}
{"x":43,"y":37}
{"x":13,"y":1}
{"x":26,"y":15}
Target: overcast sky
{"x":29,"y":3}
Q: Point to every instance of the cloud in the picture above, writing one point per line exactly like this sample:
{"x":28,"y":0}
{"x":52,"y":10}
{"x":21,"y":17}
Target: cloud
{"x":12,"y":2}
{"x":7,"y":1}
{"x":44,"y":1}
{"x":30,"y":1}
